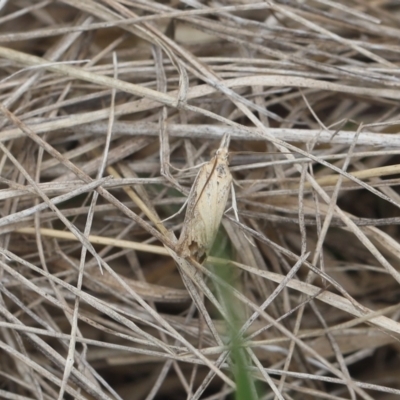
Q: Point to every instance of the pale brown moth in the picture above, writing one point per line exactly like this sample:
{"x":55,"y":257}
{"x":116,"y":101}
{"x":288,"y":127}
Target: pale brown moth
{"x":206,"y":205}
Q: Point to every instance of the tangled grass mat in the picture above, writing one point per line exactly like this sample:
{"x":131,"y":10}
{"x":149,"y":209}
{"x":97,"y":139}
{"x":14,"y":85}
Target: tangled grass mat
{"x":108,"y":111}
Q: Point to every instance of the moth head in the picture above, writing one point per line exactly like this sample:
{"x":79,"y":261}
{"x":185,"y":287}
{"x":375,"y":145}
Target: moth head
{"x":222,"y":153}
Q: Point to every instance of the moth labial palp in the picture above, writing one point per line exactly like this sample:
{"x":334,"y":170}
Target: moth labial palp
{"x":206,"y":205}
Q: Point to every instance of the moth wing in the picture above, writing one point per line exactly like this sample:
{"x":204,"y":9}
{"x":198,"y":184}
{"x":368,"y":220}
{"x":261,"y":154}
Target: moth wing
{"x":193,"y":225}
{"x":211,"y":205}
{"x":207,"y":201}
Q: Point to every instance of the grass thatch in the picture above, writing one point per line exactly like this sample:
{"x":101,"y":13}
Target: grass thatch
{"x":108,"y":108}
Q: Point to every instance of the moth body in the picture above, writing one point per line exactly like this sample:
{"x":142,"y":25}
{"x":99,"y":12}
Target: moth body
{"x":206,"y":206}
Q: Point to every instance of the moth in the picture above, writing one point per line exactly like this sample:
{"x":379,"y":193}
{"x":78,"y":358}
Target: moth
{"x":206,"y":205}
